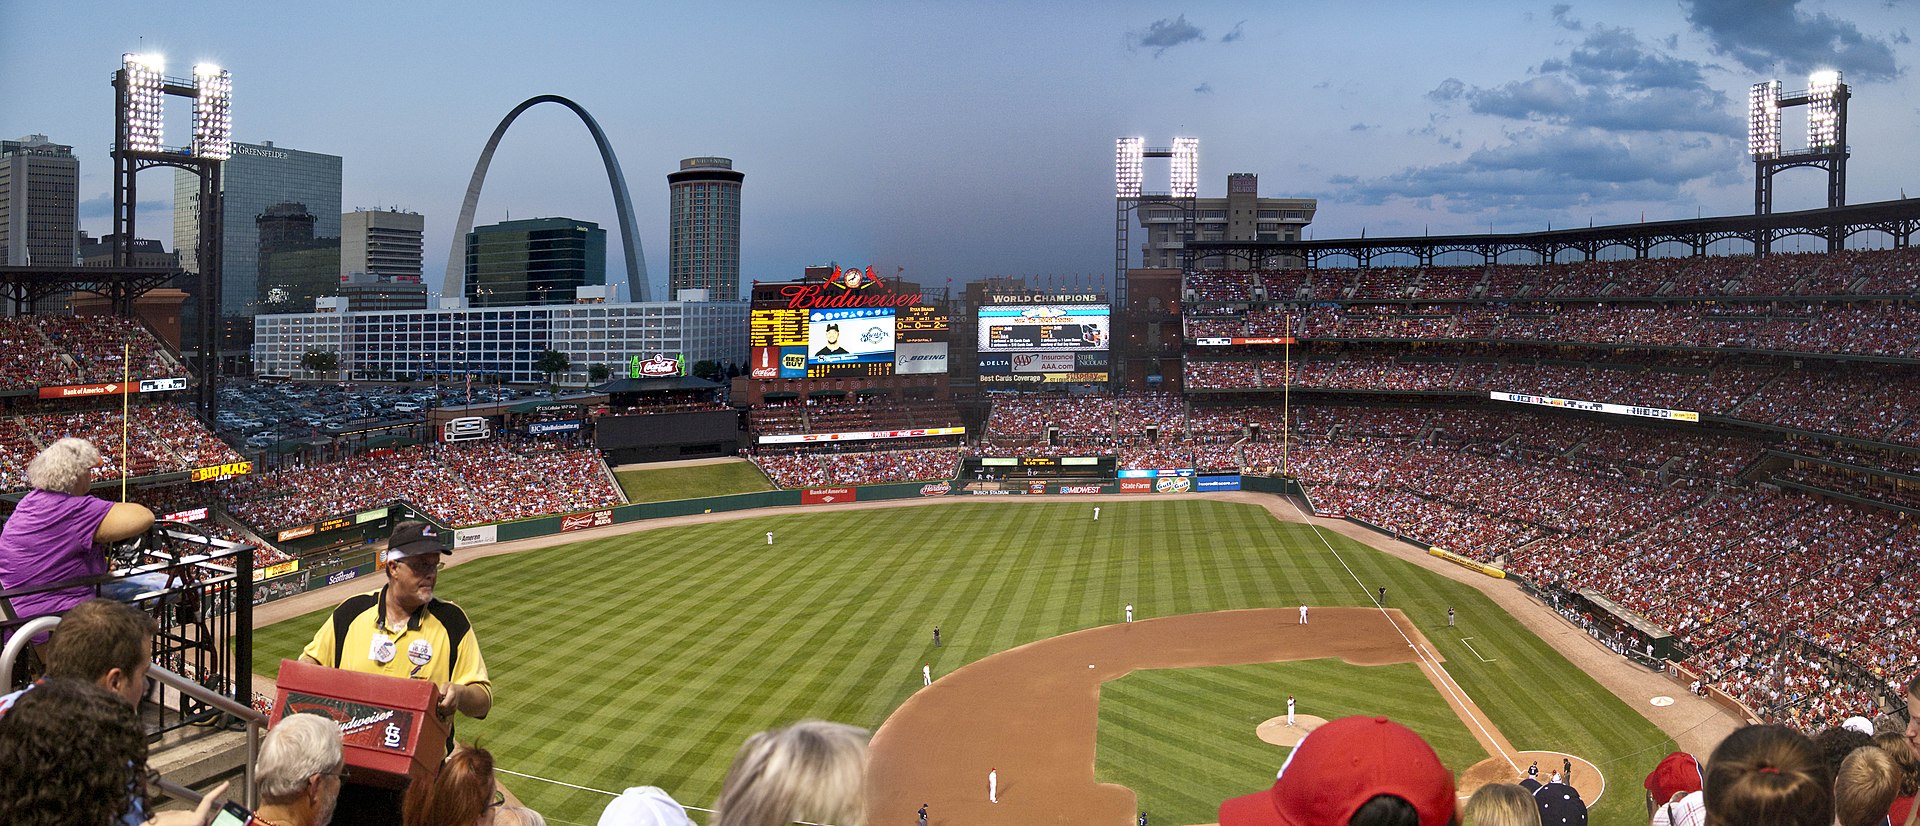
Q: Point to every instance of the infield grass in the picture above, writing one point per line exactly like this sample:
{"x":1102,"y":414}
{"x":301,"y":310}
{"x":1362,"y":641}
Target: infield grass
{"x":646,"y":659}
{"x":691,"y":481}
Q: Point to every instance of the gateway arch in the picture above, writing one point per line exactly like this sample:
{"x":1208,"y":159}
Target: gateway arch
{"x":623,"y":208}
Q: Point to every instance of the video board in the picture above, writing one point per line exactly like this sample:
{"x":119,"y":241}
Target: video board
{"x":844,"y":327}
{"x":1045,"y":328}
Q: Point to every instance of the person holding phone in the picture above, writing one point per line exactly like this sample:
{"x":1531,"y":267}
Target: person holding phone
{"x":300,"y":772}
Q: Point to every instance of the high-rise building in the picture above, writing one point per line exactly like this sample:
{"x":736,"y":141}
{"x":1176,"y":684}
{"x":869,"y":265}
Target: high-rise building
{"x":295,"y":267}
{"x":382,"y":243}
{"x":1241,"y":216}
{"x":256,"y":177}
{"x":703,"y":245}
{"x":39,"y":203}
{"x":536,"y":261}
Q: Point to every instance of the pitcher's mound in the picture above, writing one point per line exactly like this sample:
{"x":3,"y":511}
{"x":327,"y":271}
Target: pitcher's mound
{"x":1277,"y":732}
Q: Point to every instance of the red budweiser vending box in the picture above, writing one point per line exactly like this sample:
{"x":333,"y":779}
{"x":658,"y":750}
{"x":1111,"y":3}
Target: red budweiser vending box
{"x":391,"y":727}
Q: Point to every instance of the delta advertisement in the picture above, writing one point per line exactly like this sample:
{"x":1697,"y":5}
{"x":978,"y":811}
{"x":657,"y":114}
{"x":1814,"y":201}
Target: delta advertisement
{"x":1043,"y":368}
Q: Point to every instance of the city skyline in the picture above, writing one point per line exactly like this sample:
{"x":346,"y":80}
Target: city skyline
{"x":962,"y":143}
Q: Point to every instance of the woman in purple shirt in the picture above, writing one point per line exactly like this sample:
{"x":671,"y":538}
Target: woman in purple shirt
{"x":51,"y":536}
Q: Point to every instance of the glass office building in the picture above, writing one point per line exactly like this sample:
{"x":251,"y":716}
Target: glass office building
{"x":256,"y":177}
{"x":536,"y":261}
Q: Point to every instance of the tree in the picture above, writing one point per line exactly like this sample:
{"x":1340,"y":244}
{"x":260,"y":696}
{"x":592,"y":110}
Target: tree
{"x":598,"y":373}
{"x":706,"y":369}
{"x":320,"y":361}
{"x":550,"y":363}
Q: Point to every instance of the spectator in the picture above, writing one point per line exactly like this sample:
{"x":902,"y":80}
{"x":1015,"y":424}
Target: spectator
{"x":1864,"y":789}
{"x":1768,"y":774}
{"x":300,"y":771}
{"x":1355,"y":770}
{"x":644,"y":806}
{"x":462,"y":794}
{"x":1909,"y":771}
{"x":1500,"y":804}
{"x":51,"y":534}
{"x":1836,"y":743}
{"x":1677,"y":776}
{"x":812,"y":770}
{"x":74,"y":754}
{"x":100,"y":641}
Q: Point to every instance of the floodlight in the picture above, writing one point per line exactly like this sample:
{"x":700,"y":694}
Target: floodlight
{"x":1128,"y":163}
{"x":1823,"y":110}
{"x":1186,"y":167}
{"x":212,"y":112}
{"x":1763,"y":120}
{"x":141,"y":105}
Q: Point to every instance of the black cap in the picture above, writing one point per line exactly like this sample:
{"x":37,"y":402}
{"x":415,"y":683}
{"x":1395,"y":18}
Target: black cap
{"x":412,"y":538}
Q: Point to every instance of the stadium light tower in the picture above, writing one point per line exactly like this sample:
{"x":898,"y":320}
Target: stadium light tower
{"x":1129,"y":165}
{"x":1826,"y":101}
{"x":140,"y":90}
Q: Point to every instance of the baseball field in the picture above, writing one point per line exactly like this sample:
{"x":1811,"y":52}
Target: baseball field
{"x":646,"y":658}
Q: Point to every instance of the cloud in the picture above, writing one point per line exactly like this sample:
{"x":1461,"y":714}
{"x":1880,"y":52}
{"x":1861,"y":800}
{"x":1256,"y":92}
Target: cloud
{"x":1450,"y":89}
{"x":1361,"y":127}
{"x":1770,"y":35}
{"x":1562,"y":19}
{"x":1553,"y":170}
{"x":1235,"y":34}
{"x":1166,"y":33}
{"x":101,"y":206}
{"x":1204,"y":89}
{"x":1612,"y":80}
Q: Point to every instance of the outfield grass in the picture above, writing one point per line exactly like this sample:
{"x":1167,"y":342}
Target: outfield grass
{"x":1203,"y":721}
{"x":646,"y":659}
{"x":691,"y":481}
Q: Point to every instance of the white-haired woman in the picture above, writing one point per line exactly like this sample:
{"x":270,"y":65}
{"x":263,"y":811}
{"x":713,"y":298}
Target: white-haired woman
{"x":811,"y":771}
{"x":50,"y":536}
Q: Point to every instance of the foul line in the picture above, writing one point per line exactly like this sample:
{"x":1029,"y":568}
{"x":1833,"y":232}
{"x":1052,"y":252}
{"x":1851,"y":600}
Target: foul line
{"x":1476,"y":651}
{"x":1459,"y":694}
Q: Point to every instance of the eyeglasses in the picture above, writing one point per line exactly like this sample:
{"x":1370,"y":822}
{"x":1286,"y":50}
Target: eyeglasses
{"x":423,"y":567}
{"x":499,"y":799}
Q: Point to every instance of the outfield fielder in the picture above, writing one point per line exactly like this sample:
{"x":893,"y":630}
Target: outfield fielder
{"x":1129,"y":612}
{"x":769,"y":537}
{"x":926,"y":675}
{"x":1303,"y":615}
{"x":1096,"y":513}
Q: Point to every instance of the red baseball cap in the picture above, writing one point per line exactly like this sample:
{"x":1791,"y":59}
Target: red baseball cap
{"x":1340,"y":766}
{"x":1677,"y":773}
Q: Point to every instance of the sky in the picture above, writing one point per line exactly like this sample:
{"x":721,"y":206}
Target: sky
{"x":964,"y":140}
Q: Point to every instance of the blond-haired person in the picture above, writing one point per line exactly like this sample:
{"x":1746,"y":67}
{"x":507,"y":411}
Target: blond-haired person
{"x":813,"y":771}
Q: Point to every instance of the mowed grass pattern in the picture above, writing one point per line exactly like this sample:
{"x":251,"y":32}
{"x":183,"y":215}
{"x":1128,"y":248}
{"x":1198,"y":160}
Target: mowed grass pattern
{"x":691,"y":481}
{"x":646,"y":659}
{"x":1202,"y":721}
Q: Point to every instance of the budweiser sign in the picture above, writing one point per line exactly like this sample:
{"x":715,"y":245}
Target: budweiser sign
{"x":936,"y":489}
{"x":822,"y":297}
{"x":583,"y":521}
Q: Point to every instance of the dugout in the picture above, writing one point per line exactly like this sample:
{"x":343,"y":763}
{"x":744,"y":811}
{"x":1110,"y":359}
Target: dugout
{"x":1622,"y":620}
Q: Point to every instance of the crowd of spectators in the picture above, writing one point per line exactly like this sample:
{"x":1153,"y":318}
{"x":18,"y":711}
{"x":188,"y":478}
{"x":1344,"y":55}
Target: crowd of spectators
{"x":1894,"y":272}
{"x":1871,"y":328}
{"x":1877,"y":402}
{"x":40,"y":351}
{"x":161,"y":438}
{"x":461,"y":483}
{"x":853,"y":414}
{"x":804,"y":470}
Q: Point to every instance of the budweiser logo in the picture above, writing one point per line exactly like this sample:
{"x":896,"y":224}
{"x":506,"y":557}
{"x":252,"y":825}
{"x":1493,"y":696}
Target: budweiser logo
{"x":936,"y":489}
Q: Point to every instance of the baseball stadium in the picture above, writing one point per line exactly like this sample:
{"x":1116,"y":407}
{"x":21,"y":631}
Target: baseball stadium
{"x":1068,"y":551}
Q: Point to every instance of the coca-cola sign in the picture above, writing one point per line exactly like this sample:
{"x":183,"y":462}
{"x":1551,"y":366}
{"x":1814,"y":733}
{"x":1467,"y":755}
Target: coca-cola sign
{"x":660,"y":366}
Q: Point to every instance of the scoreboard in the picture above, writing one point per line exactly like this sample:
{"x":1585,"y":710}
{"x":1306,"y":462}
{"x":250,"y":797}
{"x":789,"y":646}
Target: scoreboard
{"x":1044,"y":328}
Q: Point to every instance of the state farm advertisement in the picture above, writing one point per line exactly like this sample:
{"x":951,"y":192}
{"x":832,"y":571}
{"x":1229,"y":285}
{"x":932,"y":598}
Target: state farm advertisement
{"x":1136,"y":486}
{"x":826,"y":496}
